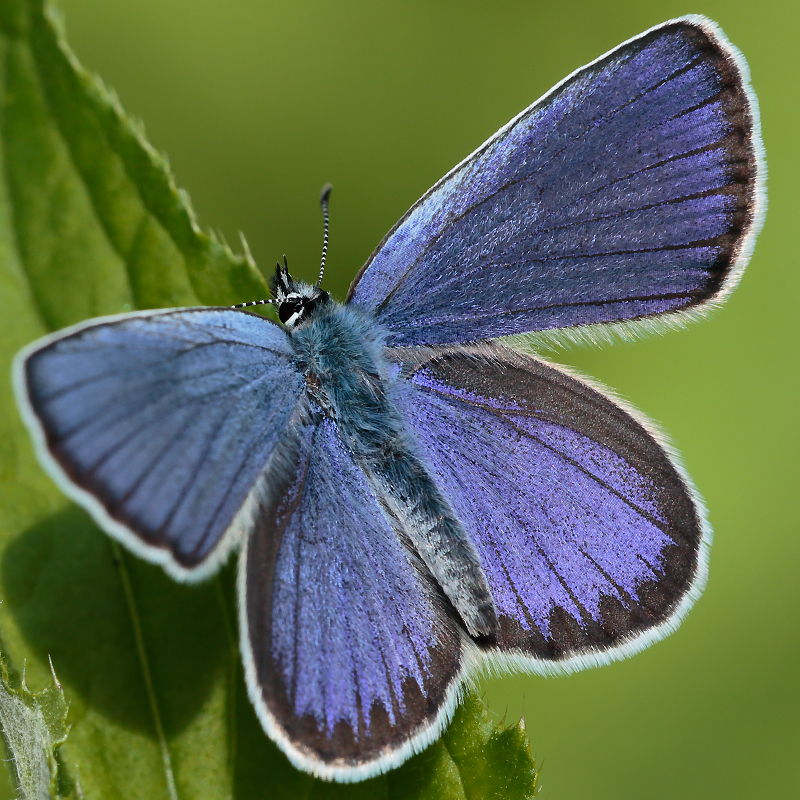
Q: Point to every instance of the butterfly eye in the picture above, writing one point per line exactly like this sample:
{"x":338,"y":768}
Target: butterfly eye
{"x":287,"y":309}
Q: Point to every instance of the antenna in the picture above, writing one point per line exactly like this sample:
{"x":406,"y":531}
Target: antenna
{"x":323,"y":201}
{"x":268,"y":302}
{"x":254,"y":303}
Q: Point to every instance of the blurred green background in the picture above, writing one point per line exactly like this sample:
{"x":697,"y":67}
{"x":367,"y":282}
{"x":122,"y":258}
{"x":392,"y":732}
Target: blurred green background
{"x":259,"y":103}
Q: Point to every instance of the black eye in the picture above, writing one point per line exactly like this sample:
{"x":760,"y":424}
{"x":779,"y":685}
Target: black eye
{"x":286,"y":309}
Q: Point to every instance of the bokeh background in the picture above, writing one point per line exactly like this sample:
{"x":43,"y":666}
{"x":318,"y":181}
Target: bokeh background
{"x":258,"y":103}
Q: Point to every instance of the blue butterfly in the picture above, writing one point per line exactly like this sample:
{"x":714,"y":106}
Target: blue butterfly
{"x":413,"y":498}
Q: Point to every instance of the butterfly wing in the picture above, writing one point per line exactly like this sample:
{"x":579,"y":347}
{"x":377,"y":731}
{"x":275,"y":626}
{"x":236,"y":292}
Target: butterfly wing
{"x":350,"y":658}
{"x":159,"y":423}
{"x":633,"y":189}
{"x":590,"y":534}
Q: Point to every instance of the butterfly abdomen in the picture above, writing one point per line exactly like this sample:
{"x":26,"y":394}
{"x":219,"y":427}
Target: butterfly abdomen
{"x":340,"y":351}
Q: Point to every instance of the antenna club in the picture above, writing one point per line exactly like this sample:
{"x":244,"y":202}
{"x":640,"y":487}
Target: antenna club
{"x":323,"y":201}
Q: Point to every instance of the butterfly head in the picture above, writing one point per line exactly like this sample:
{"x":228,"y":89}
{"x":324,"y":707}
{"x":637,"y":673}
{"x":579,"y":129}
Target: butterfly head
{"x":296,"y":301}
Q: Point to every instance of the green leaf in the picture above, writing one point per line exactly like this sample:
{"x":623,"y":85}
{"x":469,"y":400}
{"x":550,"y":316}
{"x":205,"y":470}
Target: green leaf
{"x":474,"y":759}
{"x":33,"y":727}
{"x":91,"y":223}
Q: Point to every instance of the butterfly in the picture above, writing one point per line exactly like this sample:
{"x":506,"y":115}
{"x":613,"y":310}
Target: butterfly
{"x":414,"y":499}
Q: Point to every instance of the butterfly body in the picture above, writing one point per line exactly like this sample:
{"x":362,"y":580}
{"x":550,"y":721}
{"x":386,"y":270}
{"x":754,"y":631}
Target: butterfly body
{"x":412,"y":498}
{"x":340,"y":351}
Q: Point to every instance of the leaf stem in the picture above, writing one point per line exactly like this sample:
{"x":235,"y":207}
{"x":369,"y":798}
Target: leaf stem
{"x":148,"y":680}
{"x":234,"y":666}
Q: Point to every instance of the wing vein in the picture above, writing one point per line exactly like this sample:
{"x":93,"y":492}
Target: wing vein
{"x":62,"y":390}
{"x":532,"y":437}
{"x":481,"y":266}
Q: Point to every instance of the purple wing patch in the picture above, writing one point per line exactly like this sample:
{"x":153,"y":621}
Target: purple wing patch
{"x":348,"y":650}
{"x":587,"y":532}
{"x":628,"y":191}
{"x":160,"y":423}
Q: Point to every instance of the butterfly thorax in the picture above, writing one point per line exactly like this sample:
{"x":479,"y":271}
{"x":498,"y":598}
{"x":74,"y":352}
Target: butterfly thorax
{"x":340,"y":352}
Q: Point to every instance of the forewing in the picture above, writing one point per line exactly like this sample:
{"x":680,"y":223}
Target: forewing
{"x":633,"y":189}
{"x":350,"y":658}
{"x":159,"y":423}
{"x":591,"y":537}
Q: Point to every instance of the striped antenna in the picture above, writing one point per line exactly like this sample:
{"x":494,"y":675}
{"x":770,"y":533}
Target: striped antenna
{"x":254,"y":303}
{"x":323,"y":201}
